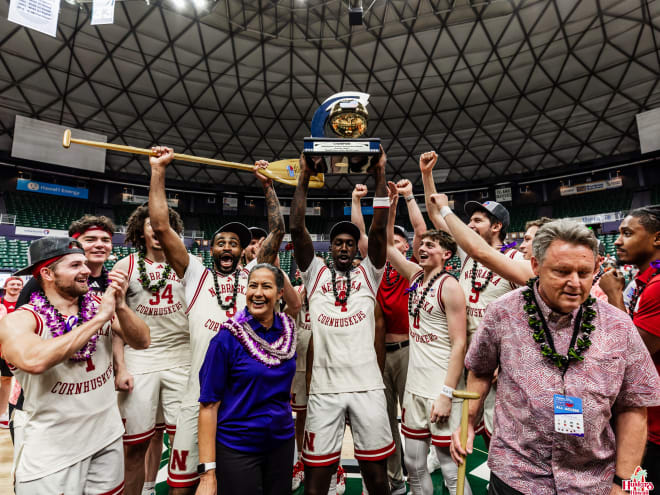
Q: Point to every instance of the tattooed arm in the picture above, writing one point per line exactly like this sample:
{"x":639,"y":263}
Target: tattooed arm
{"x":378,"y":232}
{"x":303,"y":247}
{"x":271,"y":245}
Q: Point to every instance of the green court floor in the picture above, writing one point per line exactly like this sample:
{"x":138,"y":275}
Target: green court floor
{"x":477,"y":474}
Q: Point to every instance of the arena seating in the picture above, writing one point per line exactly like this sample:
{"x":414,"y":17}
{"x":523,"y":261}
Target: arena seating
{"x":13,"y":254}
{"x":45,"y":211}
{"x":593,"y":203}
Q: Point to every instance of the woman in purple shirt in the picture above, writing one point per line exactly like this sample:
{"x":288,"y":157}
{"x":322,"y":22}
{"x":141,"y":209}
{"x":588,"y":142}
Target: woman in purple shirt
{"x":246,"y":432}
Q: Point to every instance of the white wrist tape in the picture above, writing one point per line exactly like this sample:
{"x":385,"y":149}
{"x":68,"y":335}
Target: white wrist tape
{"x":445,"y":210}
{"x":447,"y":391}
{"x":381,"y":202}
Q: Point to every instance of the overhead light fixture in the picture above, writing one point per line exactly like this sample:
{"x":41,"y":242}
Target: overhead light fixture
{"x":179,"y":4}
{"x":199,"y":4}
{"x":355,"y":12}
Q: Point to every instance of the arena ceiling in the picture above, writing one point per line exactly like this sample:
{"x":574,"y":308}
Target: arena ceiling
{"x":499,"y":88}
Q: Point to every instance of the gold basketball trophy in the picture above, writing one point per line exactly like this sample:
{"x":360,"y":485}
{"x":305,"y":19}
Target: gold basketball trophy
{"x":348,"y":151}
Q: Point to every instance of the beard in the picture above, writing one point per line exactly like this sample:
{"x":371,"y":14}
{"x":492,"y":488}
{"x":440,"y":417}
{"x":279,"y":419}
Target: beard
{"x":218,"y":265}
{"x":72,"y":289}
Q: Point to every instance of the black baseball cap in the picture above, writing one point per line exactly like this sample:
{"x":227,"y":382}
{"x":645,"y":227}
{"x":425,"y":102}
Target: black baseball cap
{"x":492,"y":207}
{"x":398,"y":230}
{"x":49,"y":248}
{"x":257,"y":232}
{"x":243,"y":233}
{"x":345,"y":227}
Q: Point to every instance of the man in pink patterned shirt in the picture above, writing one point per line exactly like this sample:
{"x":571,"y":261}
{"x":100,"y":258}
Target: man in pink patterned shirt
{"x":594,"y":366}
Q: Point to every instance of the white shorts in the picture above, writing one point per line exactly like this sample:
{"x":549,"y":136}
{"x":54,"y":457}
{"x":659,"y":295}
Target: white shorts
{"x":326,"y":419}
{"x":416,"y":420}
{"x":486,"y":424}
{"x":299,"y":392}
{"x":99,"y":474}
{"x":152,"y":391}
{"x":182,"y":469}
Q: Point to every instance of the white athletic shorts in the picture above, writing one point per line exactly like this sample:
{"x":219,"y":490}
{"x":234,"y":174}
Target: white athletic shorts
{"x":182,"y":469}
{"x":416,"y":420}
{"x":152,"y":391}
{"x":99,"y":474}
{"x":299,"y":392}
{"x":486,"y":424}
{"x":326,"y":419}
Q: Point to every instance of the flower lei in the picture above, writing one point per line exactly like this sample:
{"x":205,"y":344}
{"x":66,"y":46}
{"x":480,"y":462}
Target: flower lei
{"x":415,"y":312}
{"x":58,"y":325}
{"x":539,"y":326}
{"x":232,"y":303}
{"x":144,"y":279}
{"x":388,"y":274}
{"x":338,"y":300}
{"x":638,"y":290}
{"x":270,"y":355}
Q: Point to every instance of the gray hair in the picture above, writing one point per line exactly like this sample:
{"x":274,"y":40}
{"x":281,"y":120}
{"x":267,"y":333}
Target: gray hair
{"x":563,"y":230}
{"x":277,"y":273}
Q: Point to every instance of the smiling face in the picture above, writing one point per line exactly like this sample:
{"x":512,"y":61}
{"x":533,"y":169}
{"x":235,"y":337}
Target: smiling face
{"x":97,"y":245}
{"x":480,"y":223}
{"x":526,"y":244}
{"x":343,"y":249}
{"x":262,"y":295}
{"x":68,"y":275}
{"x":565,"y":275}
{"x":432,"y":254}
{"x":226,"y":252}
{"x":635,"y":245}
{"x":13,"y":288}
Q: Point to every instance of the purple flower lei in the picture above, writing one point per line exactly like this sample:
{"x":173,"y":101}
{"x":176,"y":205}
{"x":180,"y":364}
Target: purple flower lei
{"x":58,"y":325}
{"x":268,"y":354}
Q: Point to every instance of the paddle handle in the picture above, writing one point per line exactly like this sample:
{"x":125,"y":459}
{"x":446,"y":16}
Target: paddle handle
{"x":465,"y":409}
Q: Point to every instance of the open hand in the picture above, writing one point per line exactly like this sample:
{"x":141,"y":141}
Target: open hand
{"x":119,"y":279}
{"x":393,"y":194}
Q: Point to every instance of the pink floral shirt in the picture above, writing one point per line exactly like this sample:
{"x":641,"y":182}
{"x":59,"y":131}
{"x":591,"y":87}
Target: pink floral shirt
{"x":525,"y":451}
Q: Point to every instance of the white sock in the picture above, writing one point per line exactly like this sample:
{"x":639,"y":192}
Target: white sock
{"x":450,"y":470}
{"x":415,"y":454}
{"x":149,"y":488}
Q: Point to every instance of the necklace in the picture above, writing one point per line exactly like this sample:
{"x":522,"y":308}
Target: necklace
{"x":489,"y":277}
{"x":640,"y":289}
{"x":58,"y":325}
{"x":268,"y":354}
{"x":144,"y":279}
{"x":415,"y":312}
{"x":340,"y":301}
{"x":232,"y":303}
{"x":388,"y":274}
{"x":540,"y":329}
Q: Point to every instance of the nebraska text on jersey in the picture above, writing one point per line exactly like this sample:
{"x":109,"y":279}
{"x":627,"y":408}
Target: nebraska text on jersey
{"x":344,"y":355}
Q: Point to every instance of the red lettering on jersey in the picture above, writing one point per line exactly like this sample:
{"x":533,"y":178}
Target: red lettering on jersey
{"x":167,"y":294}
{"x":416,"y":321}
{"x":90,"y":365}
{"x":308,"y":443}
{"x":474,"y":297}
{"x":232,"y":311}
{"x":179,"y":459}
{"x":307,"y":317}
{"x":342,"y":295}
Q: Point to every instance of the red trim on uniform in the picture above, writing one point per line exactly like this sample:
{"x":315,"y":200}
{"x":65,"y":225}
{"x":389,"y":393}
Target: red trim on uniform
{"x":160,"y":426}
{"x":316,"y":282}
{"x":375,"y":455}
{"x":481,"y":427}
{"x":147,"y":260}
{"x":360,"y":267}
{"x":441,"y":441}
{"x":171,"y":429}
{"x":320,"y":460}
{"x":131,"y":263}
{"x":139,"y":437}
{"x":118,"y":490}
{"x":415,"y":434}
{"x":486,"y":432}
{"x":197,"y":291}
{"x":181,"y":480}
{"x":442,"y":282}
{"x":40,"y":327}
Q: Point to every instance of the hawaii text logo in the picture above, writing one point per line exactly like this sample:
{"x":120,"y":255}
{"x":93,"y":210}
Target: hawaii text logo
{"x":637,"y":484}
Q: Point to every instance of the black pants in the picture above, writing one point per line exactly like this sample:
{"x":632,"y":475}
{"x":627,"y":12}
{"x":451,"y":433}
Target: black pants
{"x":242,"y":473}
{"x":651,"y":463}
{"x":498,"y":487}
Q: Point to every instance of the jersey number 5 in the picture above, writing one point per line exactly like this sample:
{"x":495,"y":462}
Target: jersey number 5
{"x":474,"y":297}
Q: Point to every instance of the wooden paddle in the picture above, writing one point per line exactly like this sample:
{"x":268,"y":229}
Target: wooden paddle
{"x":466,"y":396}
{"x":283,"y":171}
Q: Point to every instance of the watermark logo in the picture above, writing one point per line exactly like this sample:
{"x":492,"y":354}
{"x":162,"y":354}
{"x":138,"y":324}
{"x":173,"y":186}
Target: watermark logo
{"x":33,"y":186}
{"x":637,"y":484}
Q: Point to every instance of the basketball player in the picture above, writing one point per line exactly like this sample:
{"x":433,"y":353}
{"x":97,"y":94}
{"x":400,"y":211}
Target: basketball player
{"x":61,"y":347}
{"x":13,"y":286}
{"x":437,"y":349}
{"x":345,"y":376}
{"x":151,"y":381}
{"x":393,"y":300}
{"x":212,"y":297}
{"x":258,"y":236}
{"x":530,"y":231}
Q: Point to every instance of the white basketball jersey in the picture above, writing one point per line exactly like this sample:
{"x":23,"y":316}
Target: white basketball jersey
{"x":477,"y":301}
{"x":205,"y":316}
{"x":71,"y":409}
{"x":344,"y":354}
{"x":430,"y":346}
{"x":304,"y":331}
{"x":165,"y":314}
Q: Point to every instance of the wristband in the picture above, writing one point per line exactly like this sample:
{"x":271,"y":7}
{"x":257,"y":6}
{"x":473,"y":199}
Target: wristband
{"x":205,"y":467}
{"x":447,"y":391}
{"x":410,"y":197}
{"x":381,"y":202}
{"x":445,"y":210}
{"x":617,"y":481}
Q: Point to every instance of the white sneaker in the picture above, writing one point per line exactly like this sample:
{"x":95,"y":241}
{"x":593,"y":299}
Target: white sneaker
{"x":399,"y":489}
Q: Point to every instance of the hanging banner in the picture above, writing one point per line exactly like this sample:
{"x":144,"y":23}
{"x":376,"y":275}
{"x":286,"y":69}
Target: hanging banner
{"x":229,"y":204}
{"x":615,"y":216}
{"x":38,"y":232}
{"x":503,"y":194}
{"x":40,"y":15}
{"x":54,"y":189}
{"x":139,"y":199}
{"x":588,"y":187}
{"x":103,"y":12}
{"x":313,"y":211}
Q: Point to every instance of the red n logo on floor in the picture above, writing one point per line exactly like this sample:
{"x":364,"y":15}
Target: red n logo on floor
{"x":308,"y":443}
{"x":179,"y":459}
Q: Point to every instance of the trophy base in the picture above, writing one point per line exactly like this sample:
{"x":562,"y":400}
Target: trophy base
{"x":342,"y":156}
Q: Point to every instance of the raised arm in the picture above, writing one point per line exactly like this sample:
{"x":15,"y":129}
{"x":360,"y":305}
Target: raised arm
{"x":270,"y":247}
{"x":516,"y":271}
{"x":377,"y":248}
{"x":404,"y":187}
{"x":357,"y":218}
{"x":303,"y":247}
{"x":426,"y":163}
{"x":406,"y":268}
{"x":173,"y":246}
